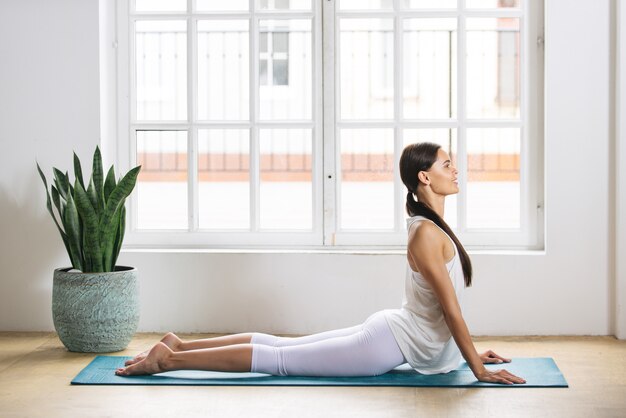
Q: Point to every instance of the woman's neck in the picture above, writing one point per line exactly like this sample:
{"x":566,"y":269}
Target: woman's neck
{"x":435,"y":202}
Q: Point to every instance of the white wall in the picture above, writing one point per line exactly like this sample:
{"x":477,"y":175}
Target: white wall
{"x":49,"y":106}
{"x":620,"y":181}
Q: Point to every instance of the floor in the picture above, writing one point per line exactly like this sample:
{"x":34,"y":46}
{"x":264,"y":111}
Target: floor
{"x":36,"y":370}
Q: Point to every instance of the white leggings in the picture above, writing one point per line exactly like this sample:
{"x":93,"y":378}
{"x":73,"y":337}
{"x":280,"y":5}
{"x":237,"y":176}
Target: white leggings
{"x":368,"y":349}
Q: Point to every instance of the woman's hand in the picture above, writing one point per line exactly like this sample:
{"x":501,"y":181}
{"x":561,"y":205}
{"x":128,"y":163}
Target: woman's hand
{"x":499,"y":376}
{"x":491,"y":357}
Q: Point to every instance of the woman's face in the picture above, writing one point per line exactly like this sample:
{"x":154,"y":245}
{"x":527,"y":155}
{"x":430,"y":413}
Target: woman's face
{"x":443,"y":176}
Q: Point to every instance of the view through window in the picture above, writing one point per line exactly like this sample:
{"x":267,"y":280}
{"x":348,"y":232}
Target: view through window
{"x":241,"y":140}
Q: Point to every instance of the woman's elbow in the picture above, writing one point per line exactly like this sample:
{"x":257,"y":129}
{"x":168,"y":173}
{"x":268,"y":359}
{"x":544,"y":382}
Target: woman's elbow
{"x":452,"y":316}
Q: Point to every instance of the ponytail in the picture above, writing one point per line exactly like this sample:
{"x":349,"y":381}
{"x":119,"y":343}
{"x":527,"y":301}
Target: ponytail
{"x":420,"y":157}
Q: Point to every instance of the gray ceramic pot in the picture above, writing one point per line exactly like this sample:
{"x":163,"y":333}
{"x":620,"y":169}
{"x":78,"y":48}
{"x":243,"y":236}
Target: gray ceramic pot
{"x":95,"y":312}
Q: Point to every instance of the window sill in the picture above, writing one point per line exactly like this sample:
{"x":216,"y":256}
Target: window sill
{"x":315,"y":250}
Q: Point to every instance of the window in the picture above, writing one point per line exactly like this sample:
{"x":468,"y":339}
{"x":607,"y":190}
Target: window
{"x":273,"y":58}
{"x":281,"y":122}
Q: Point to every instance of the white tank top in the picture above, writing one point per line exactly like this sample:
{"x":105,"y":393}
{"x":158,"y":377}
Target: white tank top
{"x":419,"y":326}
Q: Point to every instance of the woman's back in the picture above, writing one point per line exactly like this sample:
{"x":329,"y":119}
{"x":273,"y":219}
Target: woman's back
{"x":419,"y":326}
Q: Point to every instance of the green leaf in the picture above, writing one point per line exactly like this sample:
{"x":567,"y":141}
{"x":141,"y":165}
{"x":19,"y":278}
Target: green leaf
{"x":91,"y":243}
{"x":109,"y":245}
{"x":91,"y":193}
{"x":78,"y":171}
{"x":106,"y":229}
{"x":43,"y":178}
{"x":49,"y":206}
{"x":109,"y":184}
{"x":73,"y":230}
{"x":57,"y":200}
{"x":87,"y":264}
{"x":98,"y":179}
{"x":61,"y":182}
{"x":119,"y":238}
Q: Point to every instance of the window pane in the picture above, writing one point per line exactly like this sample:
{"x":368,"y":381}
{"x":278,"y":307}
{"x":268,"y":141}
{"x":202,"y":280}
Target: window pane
{"x":281,"y":73}
{"x":429,"y":4}
{"x":365,"y":4}
{"x":448,"y":140}
{"x":489,"y":4}
{"x":287,"y":93}
{"x":429,"y":68}
{"x":162,"y":181}
{"x":493,"y":68}
{"x":280,"y":42}
{"x":284,"y":4}
{"x":222,"y":6}
{"x":224,"y":178}
{"x":160,"y":5}
{"x":161,"y":65}
{"x":223,"y":70}
{"x":366,"y":66}
{"x":263,"y":72}
{"x":366,"y":187}
{"x":286,"y":194}
{"x":493,"y":187}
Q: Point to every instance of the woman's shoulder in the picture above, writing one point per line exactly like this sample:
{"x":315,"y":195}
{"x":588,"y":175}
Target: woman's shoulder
{"x":425,"y":233}
{"x":427,"y":240}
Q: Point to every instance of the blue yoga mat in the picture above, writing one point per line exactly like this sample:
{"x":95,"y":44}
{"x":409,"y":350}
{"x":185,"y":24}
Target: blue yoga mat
{"x":538,"y":372}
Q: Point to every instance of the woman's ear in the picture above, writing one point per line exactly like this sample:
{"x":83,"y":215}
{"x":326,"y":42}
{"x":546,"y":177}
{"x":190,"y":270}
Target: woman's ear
{"x":423,"y":177}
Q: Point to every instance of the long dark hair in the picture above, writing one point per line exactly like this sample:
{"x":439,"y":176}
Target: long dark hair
{"x":420,"y":157}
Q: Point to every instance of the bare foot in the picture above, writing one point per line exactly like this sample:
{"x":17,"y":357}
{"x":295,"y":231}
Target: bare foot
{"x":170,"y":340}
{"x":153,"y":363}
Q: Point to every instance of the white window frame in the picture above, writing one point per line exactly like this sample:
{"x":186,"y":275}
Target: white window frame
{"x":193,"y":237}
{"x":325,"y":125}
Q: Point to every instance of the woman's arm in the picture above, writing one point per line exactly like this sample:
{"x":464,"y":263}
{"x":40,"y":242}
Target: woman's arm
{"x":426,"y":248}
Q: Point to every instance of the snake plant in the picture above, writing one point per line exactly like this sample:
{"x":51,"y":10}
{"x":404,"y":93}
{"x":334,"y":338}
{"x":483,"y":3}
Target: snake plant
{"x":93,"y":218}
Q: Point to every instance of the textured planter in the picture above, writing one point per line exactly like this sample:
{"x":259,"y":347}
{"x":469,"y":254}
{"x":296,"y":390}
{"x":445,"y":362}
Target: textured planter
{"x":95,"y":312}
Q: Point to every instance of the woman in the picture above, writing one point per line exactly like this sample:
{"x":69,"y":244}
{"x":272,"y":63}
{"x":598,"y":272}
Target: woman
{"x":427,"y":332}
